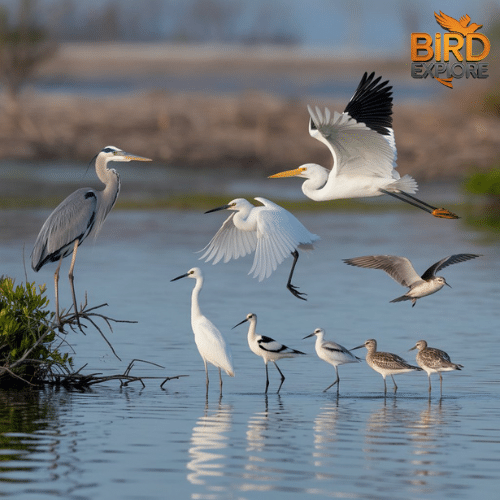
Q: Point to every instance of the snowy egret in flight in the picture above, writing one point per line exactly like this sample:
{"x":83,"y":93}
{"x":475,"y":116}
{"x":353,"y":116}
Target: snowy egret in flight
{"x":269,"y":230}
{"x":385,"y":363}
{"x":332,"y":353}
{"x":361,"y":140}
{"x":82,"y":213}
{"x":209,"y":340}
{"x":401,"y":270}
{"x":434,"y":360}
{"x":266,"y":347}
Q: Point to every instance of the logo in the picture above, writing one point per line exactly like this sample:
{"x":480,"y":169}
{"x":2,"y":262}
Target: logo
{"x":455,"y":54}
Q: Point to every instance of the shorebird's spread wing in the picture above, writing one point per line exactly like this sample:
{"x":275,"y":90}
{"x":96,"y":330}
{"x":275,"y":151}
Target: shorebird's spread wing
{"x":398,"y":268}
{"x":361,"y":138}
{"x":229,"y":243}
{"x":447,"y":261}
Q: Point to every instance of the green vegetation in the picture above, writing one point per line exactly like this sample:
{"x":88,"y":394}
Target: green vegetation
{"x":487,"y":215}
{"x":29,"y":346}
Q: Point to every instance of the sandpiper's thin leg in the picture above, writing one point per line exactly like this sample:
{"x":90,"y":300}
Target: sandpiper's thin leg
{"x":429,"y":382}
{"x":441,"y":383}
{"x":385,"y":387}
{"x":336,"y":380}
{"x":289,"y":285}
{"x":395,"y":386}
{"x":282,"y":377}
{"x":56,"y":287}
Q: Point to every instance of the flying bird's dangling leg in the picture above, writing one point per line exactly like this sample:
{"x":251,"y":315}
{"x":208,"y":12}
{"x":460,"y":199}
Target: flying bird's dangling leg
{"x":289,"y":285}
{"x":442,"y":213}
{"x":72,"y":279}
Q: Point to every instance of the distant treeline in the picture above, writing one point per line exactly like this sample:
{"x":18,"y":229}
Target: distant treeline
{"x":197,"y":21}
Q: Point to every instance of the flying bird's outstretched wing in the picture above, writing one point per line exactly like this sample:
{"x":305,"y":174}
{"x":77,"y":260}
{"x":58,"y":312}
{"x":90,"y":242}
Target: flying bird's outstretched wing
{"x":447,"y":261}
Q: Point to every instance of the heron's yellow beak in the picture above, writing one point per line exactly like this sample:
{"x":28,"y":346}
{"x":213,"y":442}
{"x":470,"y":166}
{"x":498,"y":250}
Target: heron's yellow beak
{"x":136,"y":158}
{"x":288,"y":173}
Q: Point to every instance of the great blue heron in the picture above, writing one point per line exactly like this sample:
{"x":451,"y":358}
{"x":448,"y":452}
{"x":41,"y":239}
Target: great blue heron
{"x":82,"y":213}
{"x":361,"y":140}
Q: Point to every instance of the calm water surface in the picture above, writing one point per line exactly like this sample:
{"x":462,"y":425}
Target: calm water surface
{"x":135,"y":443}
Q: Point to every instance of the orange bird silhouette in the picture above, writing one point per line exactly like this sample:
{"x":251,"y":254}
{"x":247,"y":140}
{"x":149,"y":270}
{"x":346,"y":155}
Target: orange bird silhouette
{"x":462,"y":26}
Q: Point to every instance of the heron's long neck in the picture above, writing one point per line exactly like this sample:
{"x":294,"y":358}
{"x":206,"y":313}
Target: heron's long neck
{"x":313,"y":186}
{"x":195,"y":304}
{"x":110,"y":178}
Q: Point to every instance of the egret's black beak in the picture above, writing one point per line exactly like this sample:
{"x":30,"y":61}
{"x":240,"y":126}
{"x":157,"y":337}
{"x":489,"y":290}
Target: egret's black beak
{"x":240,"y":323}
{"x":224,"y":207}
{"x":181,"y":276}
{"x":307,"y":336}
{"x":447,"y":284}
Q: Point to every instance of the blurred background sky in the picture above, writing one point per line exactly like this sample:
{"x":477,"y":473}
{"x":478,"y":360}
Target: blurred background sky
{"x":354,"y":27}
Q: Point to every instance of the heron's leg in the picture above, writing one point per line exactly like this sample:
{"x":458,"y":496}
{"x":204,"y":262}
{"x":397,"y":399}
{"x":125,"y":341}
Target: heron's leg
{"x":437,"y":212}
{"x":282,"y":377}
{"x":206,"y":372}
{"x":336,"y":380}
{"x":56,"y":287}
{"x":267,"y":380}
{"x":395,"y":386}
{"x":289,"y":285}
{"x":71,"y":279}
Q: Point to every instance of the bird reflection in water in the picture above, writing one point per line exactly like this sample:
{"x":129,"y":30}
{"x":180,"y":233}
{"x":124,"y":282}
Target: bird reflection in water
{"x":209,"y":444}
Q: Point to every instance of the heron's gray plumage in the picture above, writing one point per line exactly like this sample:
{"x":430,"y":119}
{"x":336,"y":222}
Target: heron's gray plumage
{"x":82,"y":213}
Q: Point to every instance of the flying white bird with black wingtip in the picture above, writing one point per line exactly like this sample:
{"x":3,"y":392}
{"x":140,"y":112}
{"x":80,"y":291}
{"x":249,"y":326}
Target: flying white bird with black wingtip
{"x":267,"y":348}
{"x":401,"y":270}
{"x":81,"y":214}
{"x":270,"y":231}
{"x":361,"y":140}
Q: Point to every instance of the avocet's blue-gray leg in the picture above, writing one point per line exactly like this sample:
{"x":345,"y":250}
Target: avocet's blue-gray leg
{"x":282,"y":376}
{"x":336,"y":380}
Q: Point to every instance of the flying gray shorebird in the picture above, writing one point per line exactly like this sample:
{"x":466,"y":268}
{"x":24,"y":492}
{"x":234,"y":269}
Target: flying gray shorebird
{"x":401,"y":270}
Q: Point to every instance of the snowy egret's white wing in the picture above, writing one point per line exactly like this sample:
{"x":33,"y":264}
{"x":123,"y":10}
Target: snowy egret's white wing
{"x":279,"y":233}
{"x":229,"y":243}
{"x":399,"y":269}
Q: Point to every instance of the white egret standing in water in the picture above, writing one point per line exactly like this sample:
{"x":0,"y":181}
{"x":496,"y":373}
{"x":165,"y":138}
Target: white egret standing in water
{"x":81,"y":214}
{"x":270,"y":231}
{"x":361,"y":140}
{"x":209,"y":340}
